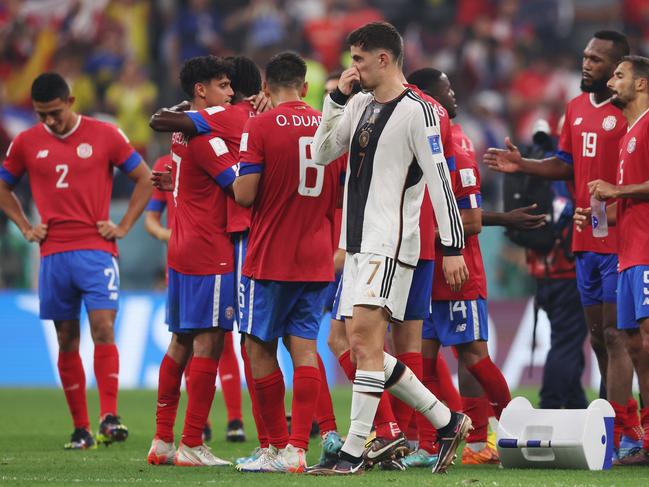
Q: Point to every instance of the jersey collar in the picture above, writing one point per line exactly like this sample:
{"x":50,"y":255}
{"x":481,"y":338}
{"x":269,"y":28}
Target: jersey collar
{"x":638,"y":119}
{"x":68,"y":133}
{"x":591,"y":97}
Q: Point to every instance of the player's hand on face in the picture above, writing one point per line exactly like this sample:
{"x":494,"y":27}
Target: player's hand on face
{"x":602,"y":190}
{"x":455,"y":271}
{"x":347,"y":80}
{"x":522,"y":219}
{"x":503,"y":160}
{"x":260,"y":102}
{"x":109,"y":231}
{"x":36,"y":233}
{"x":581,"y":218}
{"x":162,"y":180}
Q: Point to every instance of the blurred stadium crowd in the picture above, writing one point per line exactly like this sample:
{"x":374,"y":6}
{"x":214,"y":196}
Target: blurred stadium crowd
{"x":511,"y":62}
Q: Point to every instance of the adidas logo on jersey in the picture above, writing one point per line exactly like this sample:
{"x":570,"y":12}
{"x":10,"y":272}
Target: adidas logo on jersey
{"x":42,"y":154}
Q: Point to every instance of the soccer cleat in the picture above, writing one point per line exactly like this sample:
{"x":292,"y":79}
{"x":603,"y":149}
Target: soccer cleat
{"x":259,"y":464}
{"x":381,"y":449}
{"x":638,"y":458}
{"x":161,"y":452}
{"x":290,"y":459}
{"x":331,"y":445}
{"x":81,"y":439}
{"x":418,"y":459}
{"x":449,"y":438}
{"x":198,"y":456}
{"x":344,"y":465}
{"x":486,"y":456}
{"x":628,"y":446}
{"x":206,"y":435}
{"x":111,"y":430}
{"x":256,"y":453}
{"x":235,"y":432}
{"x":391,"y":466}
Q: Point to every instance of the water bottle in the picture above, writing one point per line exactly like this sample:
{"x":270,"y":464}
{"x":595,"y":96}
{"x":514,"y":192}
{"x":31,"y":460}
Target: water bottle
{"x":598,"y":217}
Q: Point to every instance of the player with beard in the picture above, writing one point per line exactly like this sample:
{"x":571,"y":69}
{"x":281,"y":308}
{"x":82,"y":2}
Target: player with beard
{"x":630,"y":88}
{"x":588,"y":146}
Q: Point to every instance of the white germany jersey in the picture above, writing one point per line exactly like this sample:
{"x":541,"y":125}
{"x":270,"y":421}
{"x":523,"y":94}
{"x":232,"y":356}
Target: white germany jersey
{"x":392,"y":157}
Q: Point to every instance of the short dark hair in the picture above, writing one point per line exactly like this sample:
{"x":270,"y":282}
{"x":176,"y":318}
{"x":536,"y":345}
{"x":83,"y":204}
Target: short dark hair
{"x":286,"y":69}
{"x":620,"y":43}
{"x":378,"y":35}
{"x":639,"y":65}
{"x":246,"y":78}
{"x":425,"y":79}
{"x":202,"y":69}
{"x":334,"y":75}
{"x":49,"y":86}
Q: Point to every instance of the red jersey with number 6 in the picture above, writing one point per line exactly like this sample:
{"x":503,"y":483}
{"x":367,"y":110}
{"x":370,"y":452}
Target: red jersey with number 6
{"x":293,"y":215}
{"x":589,"y":141}
{"x":633,"y":213}
{"x":71,"y":178}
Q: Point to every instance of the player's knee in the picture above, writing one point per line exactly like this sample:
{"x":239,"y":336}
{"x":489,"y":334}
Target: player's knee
{"x":613,"y":338}
{"x":337,"y":344}
{"x":208,"y":344}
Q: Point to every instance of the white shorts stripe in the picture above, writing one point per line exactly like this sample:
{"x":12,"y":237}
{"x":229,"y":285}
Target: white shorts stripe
{"x":251,"y":305}
{"x":216,"y":300}
{"x":476,"y":320}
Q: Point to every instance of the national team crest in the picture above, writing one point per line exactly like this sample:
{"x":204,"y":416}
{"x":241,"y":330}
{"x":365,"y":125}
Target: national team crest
{"x":609,"y":123}
{"x":229,"y":312}
{"x":84,"y":151}
{"x":630,"y":147}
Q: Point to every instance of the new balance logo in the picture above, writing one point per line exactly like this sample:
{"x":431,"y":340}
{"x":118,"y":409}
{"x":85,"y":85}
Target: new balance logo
{"x":460,"y":328}
{"x":578,"y":121}
{"x":42,"y":154}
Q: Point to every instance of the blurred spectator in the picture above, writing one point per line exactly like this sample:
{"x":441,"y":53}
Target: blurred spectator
{"x":69,"y":63}
{"x":132,"y":98}
{"x":106,"y":59}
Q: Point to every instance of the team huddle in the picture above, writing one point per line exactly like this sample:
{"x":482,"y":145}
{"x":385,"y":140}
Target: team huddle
{"x":371,"y":209}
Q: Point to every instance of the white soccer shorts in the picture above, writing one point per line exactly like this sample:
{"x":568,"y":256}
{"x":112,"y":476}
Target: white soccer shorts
{"x":375,"y":280}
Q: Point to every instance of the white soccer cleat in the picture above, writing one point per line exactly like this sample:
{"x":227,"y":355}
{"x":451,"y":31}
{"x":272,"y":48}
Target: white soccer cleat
{"x":261,"y":463}
{"x":291,"y":459}
{"x":161,"y":452}
{"x":199,"y":456}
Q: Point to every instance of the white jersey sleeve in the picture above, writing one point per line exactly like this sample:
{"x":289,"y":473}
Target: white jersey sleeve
{"x":426,"y":144}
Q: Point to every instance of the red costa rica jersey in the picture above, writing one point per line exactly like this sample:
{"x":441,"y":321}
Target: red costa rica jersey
{"x":466,"y":188}
{"x":71,"y":178}
{"x":589,"y":141}
{"x":227,"y":123}
{"x":632,"y":213}
{"x":426,"y":217}
{"x":202,"y":169}
{"x":162,"y":199}
{"x":293,"y":215}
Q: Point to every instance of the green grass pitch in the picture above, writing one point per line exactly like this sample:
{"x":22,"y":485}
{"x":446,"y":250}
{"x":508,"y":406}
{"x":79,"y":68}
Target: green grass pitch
{"x":34,"y":424}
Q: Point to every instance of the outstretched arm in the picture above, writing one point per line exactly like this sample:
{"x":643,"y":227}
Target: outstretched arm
{"x":173,"y":119}
{"x":509,"y":160}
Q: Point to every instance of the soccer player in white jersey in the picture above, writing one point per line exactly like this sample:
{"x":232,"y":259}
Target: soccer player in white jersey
{"x":394,"y":146}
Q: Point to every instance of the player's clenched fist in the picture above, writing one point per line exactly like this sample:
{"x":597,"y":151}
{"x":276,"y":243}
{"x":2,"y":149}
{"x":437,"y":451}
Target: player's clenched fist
{"x":347,"y":80}
{"x":581,"y":218}
{"x":109,"y":231}
{"x":36,"y":233}
{"x":503,"y":160}
{"x":455,"y":271}
{"x":162,"y":180}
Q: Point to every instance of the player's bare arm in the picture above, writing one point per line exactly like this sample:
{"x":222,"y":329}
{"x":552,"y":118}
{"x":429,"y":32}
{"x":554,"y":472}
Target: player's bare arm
{"x":471,"y":221}
{"x":519,"y":218}
{"x":245,"y":189}
{"x":153,"y":226}
{"x":509,"y":160}
{"x":173,"y":119}
{"x":603,"y":190}
{"x":10,"y":205}
{"x":141,"y":176}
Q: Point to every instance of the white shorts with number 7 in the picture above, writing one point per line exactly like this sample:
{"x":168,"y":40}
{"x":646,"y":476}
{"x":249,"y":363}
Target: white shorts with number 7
{"x":375,"y":280}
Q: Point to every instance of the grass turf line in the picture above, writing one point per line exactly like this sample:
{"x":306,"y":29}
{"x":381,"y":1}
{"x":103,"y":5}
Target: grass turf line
{"x":36,"y":424}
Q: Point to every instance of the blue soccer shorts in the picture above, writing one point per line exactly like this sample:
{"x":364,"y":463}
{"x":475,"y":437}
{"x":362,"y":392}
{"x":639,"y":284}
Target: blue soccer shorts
{"x":418,"y":305}
{"x":240,"y":242}
{"x":196,"y":303}
{"x":457,"y":322}
{"x":335,"y":307}
{"x":332,"y":292}
{"x":273,"y":309}
{"x":596,"y":277}
{"x":632,"y":297}
{"x":67,"y":278}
